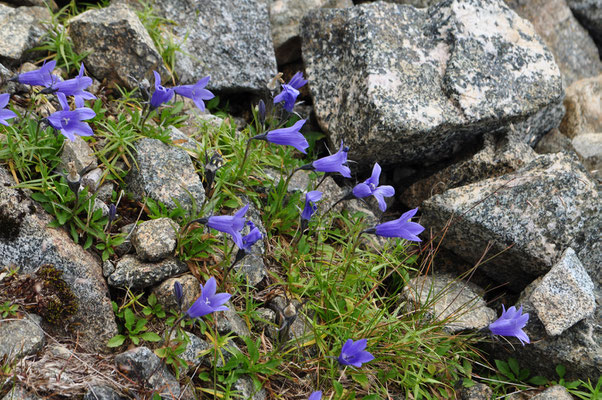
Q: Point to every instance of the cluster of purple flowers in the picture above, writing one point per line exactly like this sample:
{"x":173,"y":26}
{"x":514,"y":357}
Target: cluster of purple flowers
{"x":196,"y":92}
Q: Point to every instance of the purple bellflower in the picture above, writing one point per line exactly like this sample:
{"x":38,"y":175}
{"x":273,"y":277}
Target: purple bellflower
{"x":75,"y":87}
{"x":511,"y":323}
{"x":209,"y":301}
{"x":196,"y":92}
{"x":310,"y":204}
{"x":231,"y":225}
{"x":290,"y":92}
{"x":39,"y":77}
{"x":69,"y":123}
{"x":315,"y":395}
{"x":5,"y":114}
{"x":287,"y":136}
{"x":401,"y":227}
{"x":370,"y":188}
{"x":161,"y":94}
{"x":333,"y":163}
{"x":253,"y":236}
{"x":353,"y":353}
{"x":178,"y":292}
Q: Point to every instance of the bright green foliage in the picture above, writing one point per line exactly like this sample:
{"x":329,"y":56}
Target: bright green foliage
{"x":8,"y":309}
{"x":135,"y":328}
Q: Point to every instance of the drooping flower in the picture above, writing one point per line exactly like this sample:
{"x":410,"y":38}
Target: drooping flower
{"x":253,"y":236}
{"x":315,"y":395}
{"x":287,"y":136}
{"x":4,"y":113}
{"x":231,"y":225}
{"x":161,"y":94}
{"x":69,"y":123}
{"x":75,"y":87}
{"x":401,"y":227}
{"x":196,"y":92}
{"x":353,"y":353}
{"x":39,"y":77}
{"x":209,"y":301}
{"x":333,"y":163}
{"x":310,"y":204}
{"x":290,"y":92}
{"x":511,"y":323}
{"x":178,"y":293}
{"x":370,"y":188}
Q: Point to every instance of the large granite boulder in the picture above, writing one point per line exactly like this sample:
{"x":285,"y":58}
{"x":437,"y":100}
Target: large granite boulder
{"x":529,"y":218}
{"x":26,"y":242}
{"x":20,"y":31}
{"x":120,"y":47}
{"x":228,"y":40}
{"x":408,"y":85}
{"x":589,"y":13}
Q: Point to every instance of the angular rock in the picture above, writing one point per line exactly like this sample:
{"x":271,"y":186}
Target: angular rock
{"x":80,"y":153}
{"x":27,"y":242}
{"x":144,"y":366}
{"x":230,"y":41}
{"x":10,"y":87}
{"x":285,"y":16}
{"x":120,"y":47}
{"x":554,"y":142}
{"x":253,"y":268}
{"x":574,"y":50}
{"x":19,"y":338}
{"x":92,"y":180}
{"x":196,"y":350}
{"x":403,"y":85}
{"x":479,"y":391}
{"x":20,"y":393}
{"x":583,"y":103}
{"x":135,"y":274}
{"x":246,"y":389}
{"x":529,"y":230}
{"x":166,"y":174}
{"x":499,"y":155}
{"x":190,"y":288}
{"x":456,"y":303}
{"x":556,"y":392}
{"x":565,"y":295}
{"x":102,"y":393}
{"x":588,"y":147}
{"x":230,"y":321}
{"x":589,"y":13}
{"x":20,"y":31}
{"x":416,"y":3}
{"x":29,"y":3}
{"x":156,"y":239}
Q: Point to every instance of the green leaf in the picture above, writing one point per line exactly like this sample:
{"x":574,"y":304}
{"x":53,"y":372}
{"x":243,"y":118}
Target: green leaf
{"x":503,"y":367}
{"x":39,"y":197}
{"x":161,"y":352}
{"x":152,"y":300}
{"x":130,"y":319}
{"x":572,"y":385}
{"x":362,"y":380}
{"x":150,"y":337}
{"x":62,"y":218}
{"x":560,"y":370}
{"x":338,"y":388}
{"x":513,"y":364}
{"x":538,"y":381}
{"x":135,"y":340}
{"x":116,"y":341}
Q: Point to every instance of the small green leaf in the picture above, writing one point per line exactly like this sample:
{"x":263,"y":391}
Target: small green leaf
{"x":338,"y":388}
{"x":135,"y":340}
{"x":538,"y":381}
{"x":152,"y":300}
{"x":513,"y":364}
{"x":150,"y":337}
{"x":560,"y":370}
{"x":116,"y":341}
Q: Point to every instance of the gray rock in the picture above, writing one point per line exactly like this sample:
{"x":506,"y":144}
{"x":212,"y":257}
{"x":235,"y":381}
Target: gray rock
{"x":500,"y":154}
{"x":403,"y":85}
{"x":105,"y":191}
{"x":166,"y":174}
{"x":20,"y":393}
{"x":416,"y":3}
{"x":102,"y":393}
{"x":19,"y":338}
{"x":135,"y":274}
{"x":230,"y":41}
{"x":528,"y":230}
{"x":20,"y":31}
{"x":537,"y":125}
{"x":588,"y":147}
{"x":230,"y":321}
{"x":589,"y":13}
{"x":80,"y":153}
{"x":301,"y":330}
{"x":108,"y":267}
{"x":246,"y":389}
{"x":574,"y":50}
{"x":555,"y":392}
{"x":156,"y":239}
{"x":266,"y":322}
{"x":285,"y":16}
{"x":180,"y":139}
{"x":120,"y":47}
{"x":479,"y":391}
{"x":298,"y":183}
{"x":144,"y":366}
{"x":10,"y":87}
{"x":29,"y":3}
{"x":196,"y":350}
{"x":583,"y":104}
{"x":92,"y":180}
{"x":554,"y":142}
{"x":190,"y":288}
{"x":26,"y":241}
{"x":565,"y":295}
{"x":455,"y":303}
{"x":253,"y":269}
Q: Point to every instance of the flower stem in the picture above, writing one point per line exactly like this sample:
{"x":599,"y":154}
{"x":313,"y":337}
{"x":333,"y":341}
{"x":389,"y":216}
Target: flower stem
{"x":244,"y":160}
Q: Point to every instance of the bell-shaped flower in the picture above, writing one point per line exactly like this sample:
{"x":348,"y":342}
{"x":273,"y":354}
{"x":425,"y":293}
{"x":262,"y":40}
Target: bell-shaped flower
{"x":178,"y":293}
{"x":370,"y":188}
{"x":39,"y":77}
{"x":401,"y":227}
{"x":68,"y":122}
{"x":297,"y":80}
{"x":4,"y":113}
{"x":253,"y":236}
{"x":196,"y":92}
{"x":209,"y":301}
{"x":315,"y":395}
{"x":287,"y":136}
{"x":231,"y":225}
{"x":353,"y":353}
{"x":511,"y":323}
{"x":161,"y":94}
{"x":75,"y":87}
{"x":310,"y":204}
{"x":334,"y":163}
{"x":290,"y":92}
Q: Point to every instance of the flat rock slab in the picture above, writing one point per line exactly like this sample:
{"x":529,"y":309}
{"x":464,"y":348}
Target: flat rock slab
{"x":120,"y":47}
{"x":20,"y":31}
{"x":26,"y":242}
{"x":133,"y":273}
{"x":21,"y":337}
{"x":165,"y":173}
{"x":156,"y":239}
{"x":400,"y":84}
{"x":228,"y":40}
{"x":531,"y":215}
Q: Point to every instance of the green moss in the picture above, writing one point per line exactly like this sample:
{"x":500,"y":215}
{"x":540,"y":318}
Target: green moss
{"x":57,"y":301}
